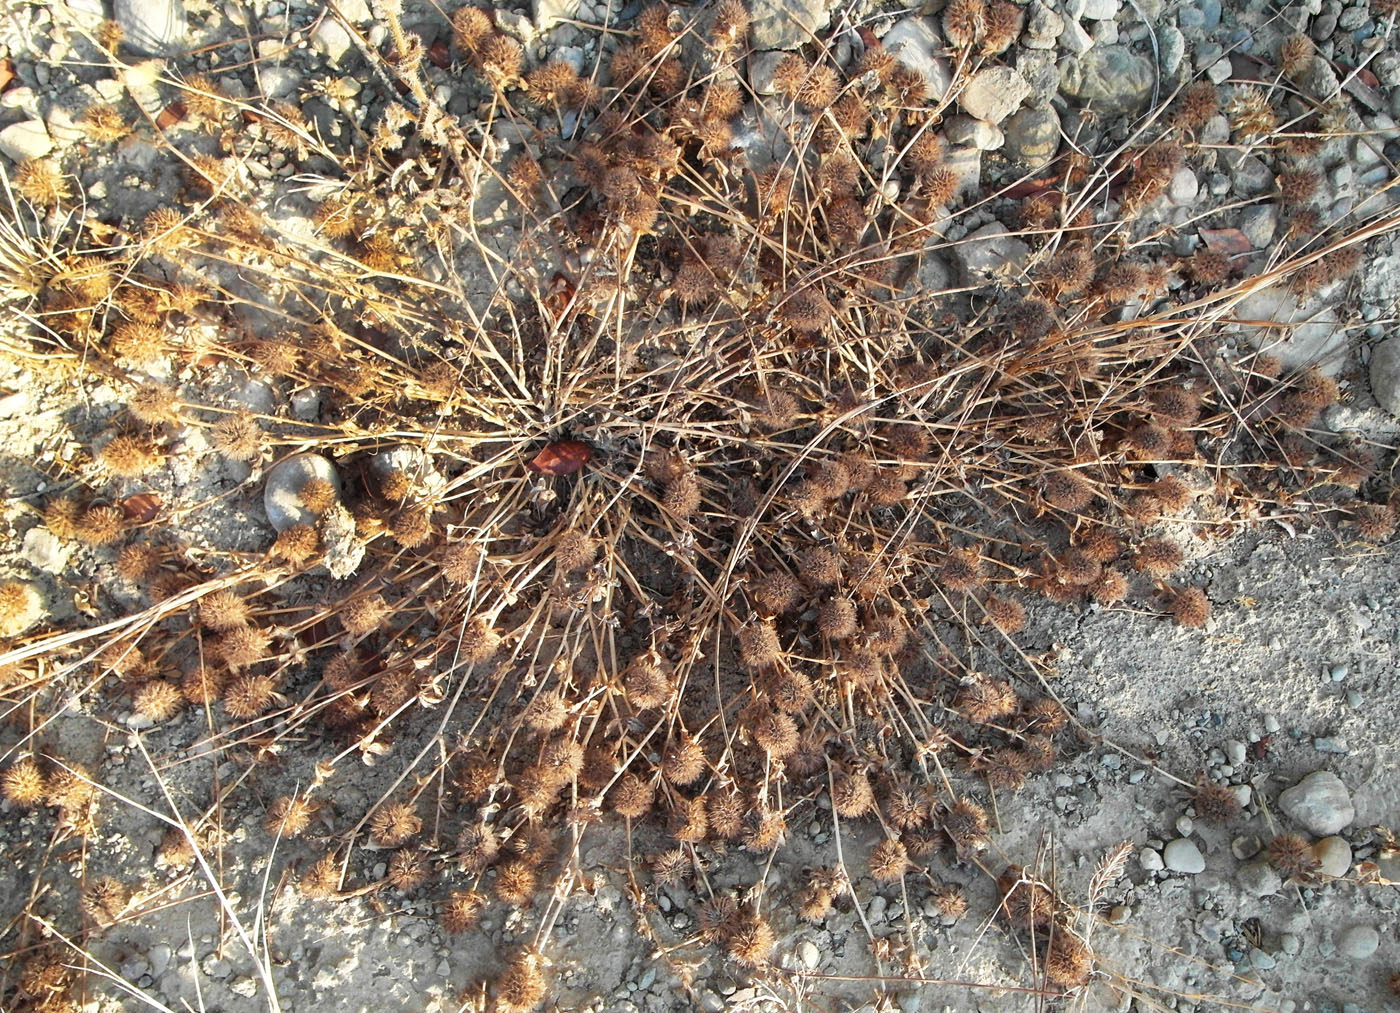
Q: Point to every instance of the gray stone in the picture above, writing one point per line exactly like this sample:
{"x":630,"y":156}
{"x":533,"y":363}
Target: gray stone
{"x":331,"y":40}
{"x":46,"y":551}
{"x":26,"y":139}
{"x":1172,"y":46}
{"x":808,"y":954}
{"x":1151,"y":860}
{"x":159,"y":956}
{"x":1258,"y":223}
{"x":1359,"y":942}
{"x":285,"y":481}
{"x":1100,"y":10}
{"x":1313,"y":336}
{"x":1385,"y":374}
{"x":153,"y":27}
{"x":966,"y":165}
{"x":787,"y":24}
{"x":1043,"y":27}
{"x":1182,"y":855}
{"x":1219,"y":72}
{"x":1259,"y":879}
{"x":1260,"y":960}
{"x":991,"y":251}
{"x":1032,"y":136}
{"x":979,"y":134}
{"x":1184,"y":186}
{"x":1112,"y":79}
{"x":1105,"y":33}
{"x":1333,"y":856}
{"x":994,"y":94}
{"x":1038,"y":68}
{"x":1319,"y":81}
{"x":17,"y":403}
{"x":1075,"y":39}
{"x":917,"y":43}
{"x":1319,"y":802}
{"x":549,"y":13}
{"x":934,"y":274}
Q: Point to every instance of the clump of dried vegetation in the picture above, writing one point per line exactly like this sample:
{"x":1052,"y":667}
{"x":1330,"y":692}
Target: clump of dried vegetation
{"x":702,"y":504}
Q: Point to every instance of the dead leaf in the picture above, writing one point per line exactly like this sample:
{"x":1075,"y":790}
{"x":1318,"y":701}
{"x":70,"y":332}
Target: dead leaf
{"x":171,"y":115}
{"x":1033,"y":187}
{"x":438,"y":53}
{"x":1231,"y":241}
{"x":563,"y":457}
{"x":142,"y":507}
{"x":7,"y":73}
{"x":560,"y":295}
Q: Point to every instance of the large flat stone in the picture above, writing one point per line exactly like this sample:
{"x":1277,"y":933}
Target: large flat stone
{"x":994,"y":94}
{"x":1111,"y":79}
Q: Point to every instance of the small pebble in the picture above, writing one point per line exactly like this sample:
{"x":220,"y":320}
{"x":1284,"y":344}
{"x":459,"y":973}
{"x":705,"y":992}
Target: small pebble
{"x":1245,"y":846}
{"x":1333,"y":856}
{"x":1182,"y":855}
{"x":1150,"y":860}
{"x":1319,"y":802}
{"x":1358,"y":942}
{"x":1259,"y":879}
{"x":1184,"y":826}
{"x":808,"y":953}
{"x":1235,"y":752}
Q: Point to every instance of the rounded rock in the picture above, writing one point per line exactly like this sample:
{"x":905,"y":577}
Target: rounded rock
{"x":285,"y":481}
{"x":1182,"y":855}
{"x":1259,"y":879}
{"x":1358,"y":942}
{"x":1032,"y":136}
{"x":154,"y":27}
{"x":1319,"y":802}
{"x":1385,"y":374}
{"x":1333,"y":856}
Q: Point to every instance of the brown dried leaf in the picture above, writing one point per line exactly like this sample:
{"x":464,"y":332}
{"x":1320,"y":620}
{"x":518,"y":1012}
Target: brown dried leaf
{"x":171,"y":115}
{"x":563,"y":457}
{"x":1231,"y":241}
{"x":142,"y":507}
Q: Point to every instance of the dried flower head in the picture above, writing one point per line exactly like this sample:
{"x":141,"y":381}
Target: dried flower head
{"x":394,"y":823}
{"x":41,"y":182}
{"x":1293,"y":857}
{"x":1215,"y":803}
{"x":289,"y":815}
{"x":23,"y":784}
{"x":20,"y":607}
{"x":888,"y":861}
{"x":158,"y":700}
{"x":460,"y":911}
